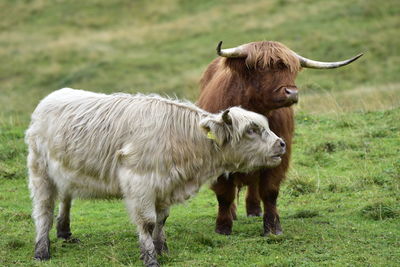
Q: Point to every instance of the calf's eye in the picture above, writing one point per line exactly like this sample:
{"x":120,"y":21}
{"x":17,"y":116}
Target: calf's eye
{"x":252,"y":131}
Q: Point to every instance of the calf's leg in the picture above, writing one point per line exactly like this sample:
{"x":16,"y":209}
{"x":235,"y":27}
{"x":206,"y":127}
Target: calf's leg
{"x":225,"y":190}
{"x":144,"y":216}
{"x":140,"y":203}
{"x":63,"y":219}
{"x":143,"y":213}
{"x":147,"y":248}
{"x":43,"y":194}
{"x":159,"y":239}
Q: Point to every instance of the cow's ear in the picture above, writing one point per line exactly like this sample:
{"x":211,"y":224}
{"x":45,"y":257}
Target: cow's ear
{"x":215,"y":129}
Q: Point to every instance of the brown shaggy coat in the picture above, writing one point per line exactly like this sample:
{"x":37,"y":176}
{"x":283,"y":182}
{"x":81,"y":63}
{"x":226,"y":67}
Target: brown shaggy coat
{"x":260,"y":83}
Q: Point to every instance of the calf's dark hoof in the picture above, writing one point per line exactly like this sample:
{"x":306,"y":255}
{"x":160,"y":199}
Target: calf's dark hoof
{"x":42,"y":249}
{"x":149,"y":261}
{"x":64,"y":235}
{"x":42,"y":256}
{"x":161,"y":247}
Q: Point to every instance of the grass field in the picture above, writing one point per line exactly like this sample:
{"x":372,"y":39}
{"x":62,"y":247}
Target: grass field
{"x":340,"y":203}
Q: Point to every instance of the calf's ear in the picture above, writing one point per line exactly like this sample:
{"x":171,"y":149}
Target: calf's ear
{"x":226,"y":118}
{"x":215,"y":129}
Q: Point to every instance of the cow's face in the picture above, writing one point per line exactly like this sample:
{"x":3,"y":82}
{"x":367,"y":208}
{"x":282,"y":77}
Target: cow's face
{"x":276,"y":87}
{"x":260,"y":88}
{"x":245,"y":140}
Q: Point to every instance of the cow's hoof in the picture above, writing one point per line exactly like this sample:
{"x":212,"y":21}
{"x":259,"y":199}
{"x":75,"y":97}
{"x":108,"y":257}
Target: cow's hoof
{"x":254,"y":212}
{"x":275,"y":232}
{"x":223,"y":230}
{"x":278,"y":232}
{"x":272,"y":225}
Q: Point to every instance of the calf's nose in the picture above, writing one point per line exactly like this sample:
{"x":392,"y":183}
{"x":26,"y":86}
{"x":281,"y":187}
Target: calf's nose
{"x":283,"y":144}
{"x":280,"y":146}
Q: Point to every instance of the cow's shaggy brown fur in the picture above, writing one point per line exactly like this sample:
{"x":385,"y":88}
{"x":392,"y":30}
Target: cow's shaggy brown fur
{"x":258,"y":83}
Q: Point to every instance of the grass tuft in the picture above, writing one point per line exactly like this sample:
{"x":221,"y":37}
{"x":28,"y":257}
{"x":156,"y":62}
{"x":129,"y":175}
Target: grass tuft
{"x":206,"y":241}
{"x":300,"y":185}
{"x":380,"y":179}
{"x":275,"y":239}
{"x":305,"y":214}
{"x":333,"y":187}
{"x":332,"y":146}
{"x":381,"y":210}
{"x":15,"y":244}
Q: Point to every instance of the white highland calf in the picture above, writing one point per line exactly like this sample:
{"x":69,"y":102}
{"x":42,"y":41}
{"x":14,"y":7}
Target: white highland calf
{"x":150,"y":151}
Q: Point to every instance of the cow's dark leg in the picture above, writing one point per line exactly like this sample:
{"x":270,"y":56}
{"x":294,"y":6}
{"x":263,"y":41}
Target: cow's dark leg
{"x":225,"y":190}
{"x":159,"y":239}
{"x":63,"y":219}
{"x":233,"y":211}
{"x":269,"y":191}
{"x":253,"y":207}
{"x":281,"y":122}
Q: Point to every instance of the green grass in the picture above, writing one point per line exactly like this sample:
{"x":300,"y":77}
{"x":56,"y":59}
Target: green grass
{"x":340,"y":203}
{"x":339,"y":206}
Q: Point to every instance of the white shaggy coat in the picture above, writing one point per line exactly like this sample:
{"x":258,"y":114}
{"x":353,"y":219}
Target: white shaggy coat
{"x":151,"y":151}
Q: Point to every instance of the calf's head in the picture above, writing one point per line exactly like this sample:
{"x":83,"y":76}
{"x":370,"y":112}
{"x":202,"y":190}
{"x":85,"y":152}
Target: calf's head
{"x":244,"y":139}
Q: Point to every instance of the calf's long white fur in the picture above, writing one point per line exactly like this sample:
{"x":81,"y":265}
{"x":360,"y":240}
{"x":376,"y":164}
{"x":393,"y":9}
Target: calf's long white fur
{"x":150,"y":151}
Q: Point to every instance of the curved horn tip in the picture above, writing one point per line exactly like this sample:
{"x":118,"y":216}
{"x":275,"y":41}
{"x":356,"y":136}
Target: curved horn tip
{"x":308,"y":63}
{"x":219,"y":48}
{"x":358,"y":56}
{"x":352,"y":59}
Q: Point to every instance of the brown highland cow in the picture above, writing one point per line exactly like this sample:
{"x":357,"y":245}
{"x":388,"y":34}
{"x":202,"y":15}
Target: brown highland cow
{"x":260,"y":77}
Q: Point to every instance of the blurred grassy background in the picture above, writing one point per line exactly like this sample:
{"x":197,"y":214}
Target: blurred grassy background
{"x":164,"y":46}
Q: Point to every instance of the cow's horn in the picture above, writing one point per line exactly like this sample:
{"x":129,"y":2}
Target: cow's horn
{"x":308,"y":63}
{"x":234,"y":52}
